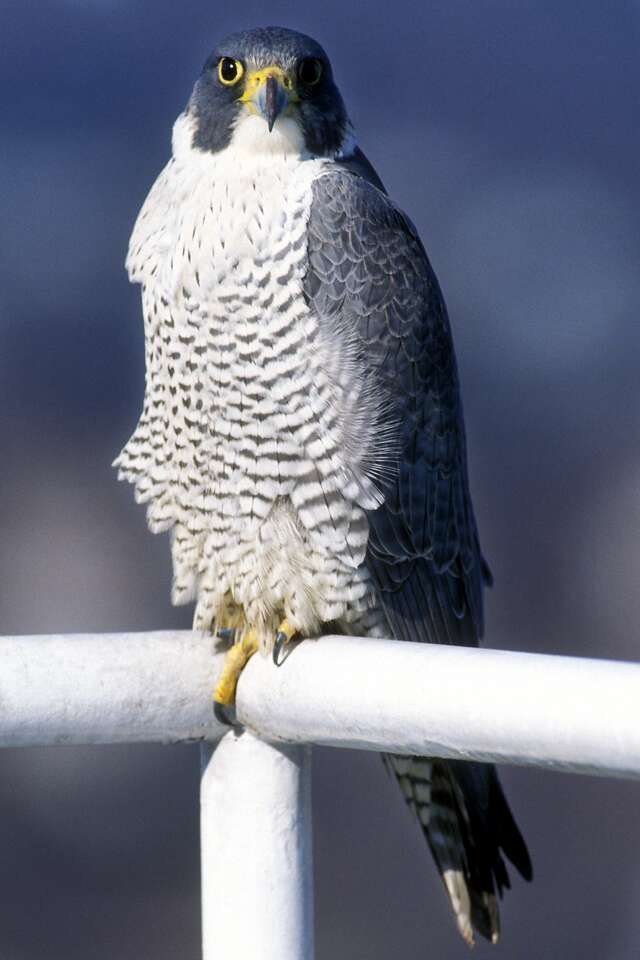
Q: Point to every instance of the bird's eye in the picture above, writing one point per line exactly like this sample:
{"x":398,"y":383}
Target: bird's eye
{"x":310,"y":71}
{"x":229,"y":71}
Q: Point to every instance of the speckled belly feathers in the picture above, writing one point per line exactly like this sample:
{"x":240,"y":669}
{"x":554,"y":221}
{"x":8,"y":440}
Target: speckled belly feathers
{"x":242,"y":444}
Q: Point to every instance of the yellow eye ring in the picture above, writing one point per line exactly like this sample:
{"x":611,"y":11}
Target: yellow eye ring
{"x":229,"y":71}
{"x":310,"y":71}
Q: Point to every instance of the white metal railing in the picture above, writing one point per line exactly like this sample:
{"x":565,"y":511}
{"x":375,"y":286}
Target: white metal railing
{"x":564,"y":713}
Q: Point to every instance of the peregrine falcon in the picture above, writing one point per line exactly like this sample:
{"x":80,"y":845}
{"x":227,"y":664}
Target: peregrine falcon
{"x":302,"y":433}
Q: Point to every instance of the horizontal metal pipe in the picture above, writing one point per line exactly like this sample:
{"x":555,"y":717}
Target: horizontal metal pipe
{"x":107,"y":688}
{"x":559,"y":712}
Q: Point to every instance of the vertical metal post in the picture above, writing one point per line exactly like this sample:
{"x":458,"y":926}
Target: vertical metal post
{"x":257,"y":882}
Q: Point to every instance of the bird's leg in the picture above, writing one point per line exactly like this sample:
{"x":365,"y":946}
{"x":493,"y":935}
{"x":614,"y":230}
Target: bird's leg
{"x":234,"y":663}
{"x":284,"y":634}
{"x":235,"y":660}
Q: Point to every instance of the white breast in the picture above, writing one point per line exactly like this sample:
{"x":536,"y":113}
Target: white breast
{"x":240,"y":447}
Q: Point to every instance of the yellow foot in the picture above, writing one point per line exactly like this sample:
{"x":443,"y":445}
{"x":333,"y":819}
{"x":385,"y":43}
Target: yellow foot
{"x":235,"y":661}
{"x":284,"y":634}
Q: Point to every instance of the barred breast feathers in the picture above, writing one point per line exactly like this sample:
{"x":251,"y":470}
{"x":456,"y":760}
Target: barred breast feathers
{"x":249,"y":398}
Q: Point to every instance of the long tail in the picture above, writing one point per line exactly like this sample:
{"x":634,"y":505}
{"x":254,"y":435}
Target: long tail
{"x":467,"y":823}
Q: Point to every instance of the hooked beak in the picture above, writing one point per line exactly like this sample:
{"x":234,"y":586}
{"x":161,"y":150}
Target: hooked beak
{"x":269,"y":92}
{"x":272,"y":99}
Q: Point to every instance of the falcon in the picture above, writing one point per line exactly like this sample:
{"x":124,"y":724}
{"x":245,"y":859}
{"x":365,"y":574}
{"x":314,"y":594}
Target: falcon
{"x":302,"y":433}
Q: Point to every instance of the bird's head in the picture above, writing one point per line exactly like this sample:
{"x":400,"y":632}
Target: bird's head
{"x":269,"y":82}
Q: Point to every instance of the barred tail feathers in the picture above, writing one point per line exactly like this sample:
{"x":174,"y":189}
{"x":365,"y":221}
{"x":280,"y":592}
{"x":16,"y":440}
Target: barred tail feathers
{"x":467,"y":822}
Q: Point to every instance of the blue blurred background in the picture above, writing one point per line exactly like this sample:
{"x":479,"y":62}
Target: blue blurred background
{"x":510,"y":133}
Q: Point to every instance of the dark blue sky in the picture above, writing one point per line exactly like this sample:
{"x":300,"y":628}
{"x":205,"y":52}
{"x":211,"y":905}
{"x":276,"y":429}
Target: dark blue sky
{"x":510,"y":134}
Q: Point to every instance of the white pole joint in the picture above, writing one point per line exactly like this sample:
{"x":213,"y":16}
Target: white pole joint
{"x":256,"y":850}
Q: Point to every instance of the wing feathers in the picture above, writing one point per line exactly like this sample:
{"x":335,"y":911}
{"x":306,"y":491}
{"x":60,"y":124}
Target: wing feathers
{"x":367,"y":265}
{"x":369,"y":269}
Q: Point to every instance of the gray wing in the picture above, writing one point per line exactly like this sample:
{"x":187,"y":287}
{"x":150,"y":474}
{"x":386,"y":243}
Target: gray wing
{"x":368,"y":266}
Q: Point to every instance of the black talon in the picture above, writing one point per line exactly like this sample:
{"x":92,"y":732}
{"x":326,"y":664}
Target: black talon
{"x":225,"y":713}
{"x":281,"y":639}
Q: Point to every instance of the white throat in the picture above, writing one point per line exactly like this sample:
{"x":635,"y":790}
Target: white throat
{"x":250,"y":138}
{"x":252,"y":134}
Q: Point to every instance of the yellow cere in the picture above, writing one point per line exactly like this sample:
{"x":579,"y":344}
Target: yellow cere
{"x":255,"y":79}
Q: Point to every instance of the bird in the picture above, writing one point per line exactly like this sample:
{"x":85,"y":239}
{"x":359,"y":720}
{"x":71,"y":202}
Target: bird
{"x":302,"y":432}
